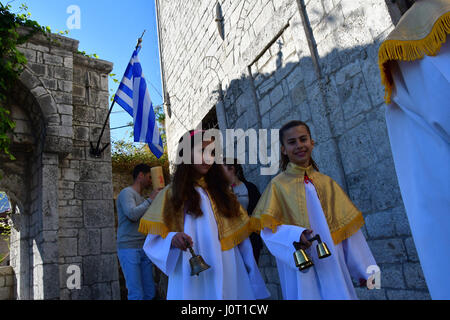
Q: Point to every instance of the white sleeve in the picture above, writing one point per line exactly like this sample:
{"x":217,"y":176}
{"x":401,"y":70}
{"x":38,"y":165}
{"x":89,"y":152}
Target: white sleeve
{"x":358,"y":256}
{"x":159,"y":251}
{"x":280,"y":243}
{"x":256,"y":280}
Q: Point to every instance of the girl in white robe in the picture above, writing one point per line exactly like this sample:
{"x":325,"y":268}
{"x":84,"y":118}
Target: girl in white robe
{"x":292,"y":210}
{"x":221,"y":241}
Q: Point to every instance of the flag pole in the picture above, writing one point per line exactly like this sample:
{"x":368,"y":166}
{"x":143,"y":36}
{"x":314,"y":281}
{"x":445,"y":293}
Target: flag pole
{"x":96,"y":152}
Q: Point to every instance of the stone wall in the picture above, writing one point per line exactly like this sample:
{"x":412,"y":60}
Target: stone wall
{"x":7,"y":282}
{"x":64,"y":194}
{"x":310,"y":60}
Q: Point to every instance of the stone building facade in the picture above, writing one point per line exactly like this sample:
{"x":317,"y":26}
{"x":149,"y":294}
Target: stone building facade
{"x":271,"y":61}
{"x":63,"y":195}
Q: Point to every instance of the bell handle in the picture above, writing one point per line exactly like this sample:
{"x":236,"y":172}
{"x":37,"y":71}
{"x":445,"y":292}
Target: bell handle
{"x":188,"y":245}
{"x":296,"y":245}
{"x":316,"y":237}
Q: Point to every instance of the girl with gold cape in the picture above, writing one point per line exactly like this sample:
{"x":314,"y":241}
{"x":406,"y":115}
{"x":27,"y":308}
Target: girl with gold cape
{"x":298,"y":200}
{"x":200,"y":209}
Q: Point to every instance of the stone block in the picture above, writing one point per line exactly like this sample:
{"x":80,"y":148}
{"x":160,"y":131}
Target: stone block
{"x":109,"y":244}
{"x":38,"y":69}
{"x":380,"y":225}
{"x":95,"y":171}
{"x":298,"y":94}
{"x":63,"y":97}
{"x":414,"y":276}
{"x":88,"y":191}
{"x":276,"y":95}
{"x":392,"y":276}
{"x":53,"y":59}
{"x":51,"y":84}
{"x":264,"y":105}
{"x":279,"y":112}
{"x":411,"y":250}
{"x":98,"y":213}
{"x":89,"y":242}
{"x":68,"y":247}
{"x":83,"y":114}
{"x":100,"y":268}
{"x":28,"y":79}
{"x":388,"y":251}
{"x":407,"y":295}
{"x":5,"y":293}
{"x":354,"y":97}
{"x":68,"y":62}
{"x":374,"y":294}
{"x":81,"y":133}
{"x":70,"y":223}
{"x":30,"y":55}
{"x":65,"y":109}
{"x":101,"y":291}
{"x":63,"y":73}
{"x":357,"y":150}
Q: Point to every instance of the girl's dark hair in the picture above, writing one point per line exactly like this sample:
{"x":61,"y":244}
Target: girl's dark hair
{"x":185,"y":196}
{"x":284,"y":159}
{"x":237,"y":169}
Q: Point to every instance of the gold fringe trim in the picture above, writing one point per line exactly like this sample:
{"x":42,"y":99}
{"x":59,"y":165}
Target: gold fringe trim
{"x":236,"y":238}
{"x":151,"y":227}
{"x":348,"y":230}
{"x":264,"y":221}
{"x":411,"y":50}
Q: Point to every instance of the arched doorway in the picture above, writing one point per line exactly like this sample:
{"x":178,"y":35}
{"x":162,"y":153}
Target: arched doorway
{"x":33,"y":240}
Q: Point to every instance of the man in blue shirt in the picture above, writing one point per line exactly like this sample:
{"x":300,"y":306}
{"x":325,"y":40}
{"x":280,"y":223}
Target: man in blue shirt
{"x":131,"y":206}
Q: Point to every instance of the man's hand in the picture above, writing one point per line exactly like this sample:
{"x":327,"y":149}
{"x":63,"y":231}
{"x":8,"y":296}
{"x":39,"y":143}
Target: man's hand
{"x":154,"y":194}
{"x":179,"y":241}
{"x":304,"y":243}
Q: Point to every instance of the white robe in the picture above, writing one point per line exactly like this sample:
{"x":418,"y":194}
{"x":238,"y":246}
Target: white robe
{"x":329,"y":278}
{"x":418,"y":122}
{"x":233,"y":275}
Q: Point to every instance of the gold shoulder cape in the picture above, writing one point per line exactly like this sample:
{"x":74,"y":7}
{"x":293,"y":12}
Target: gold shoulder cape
{"x":161,"y":218}
{"x":284,"y":203}
{"x":421,"y":31}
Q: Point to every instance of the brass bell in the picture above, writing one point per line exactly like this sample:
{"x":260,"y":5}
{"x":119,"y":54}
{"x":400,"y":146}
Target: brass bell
{"x":322,"y":249}
{"x":301,"y":258}
{"x":197,"y":263}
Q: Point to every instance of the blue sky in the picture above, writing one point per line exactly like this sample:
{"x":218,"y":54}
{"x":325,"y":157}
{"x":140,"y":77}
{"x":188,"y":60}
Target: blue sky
{"x":110,"y":29}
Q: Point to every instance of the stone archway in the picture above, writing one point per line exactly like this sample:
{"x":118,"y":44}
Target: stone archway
{"x":66,"y":219}
{"x":33,"y":242}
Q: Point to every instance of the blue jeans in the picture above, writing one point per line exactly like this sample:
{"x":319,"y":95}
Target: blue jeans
{"x":138,"y":272}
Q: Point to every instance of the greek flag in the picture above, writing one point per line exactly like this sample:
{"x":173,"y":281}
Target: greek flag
{"x":134,"y":97}
{"x":4,"y":203}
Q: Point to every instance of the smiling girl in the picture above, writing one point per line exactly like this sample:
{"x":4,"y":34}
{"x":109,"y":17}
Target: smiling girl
{"x":301,"y":202}
{"x":198,"y":208}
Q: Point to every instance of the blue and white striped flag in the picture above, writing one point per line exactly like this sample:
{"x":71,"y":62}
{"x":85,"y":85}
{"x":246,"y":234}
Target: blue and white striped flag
{"x":134,"y":97}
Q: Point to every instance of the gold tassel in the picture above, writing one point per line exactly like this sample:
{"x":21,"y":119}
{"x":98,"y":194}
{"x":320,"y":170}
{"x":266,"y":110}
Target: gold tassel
{"x":158,"y":228}
{"x":236,"y":238}
{"x":264,"y":221}
{"x":349,"y":229}
{"x":411,"y":50}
